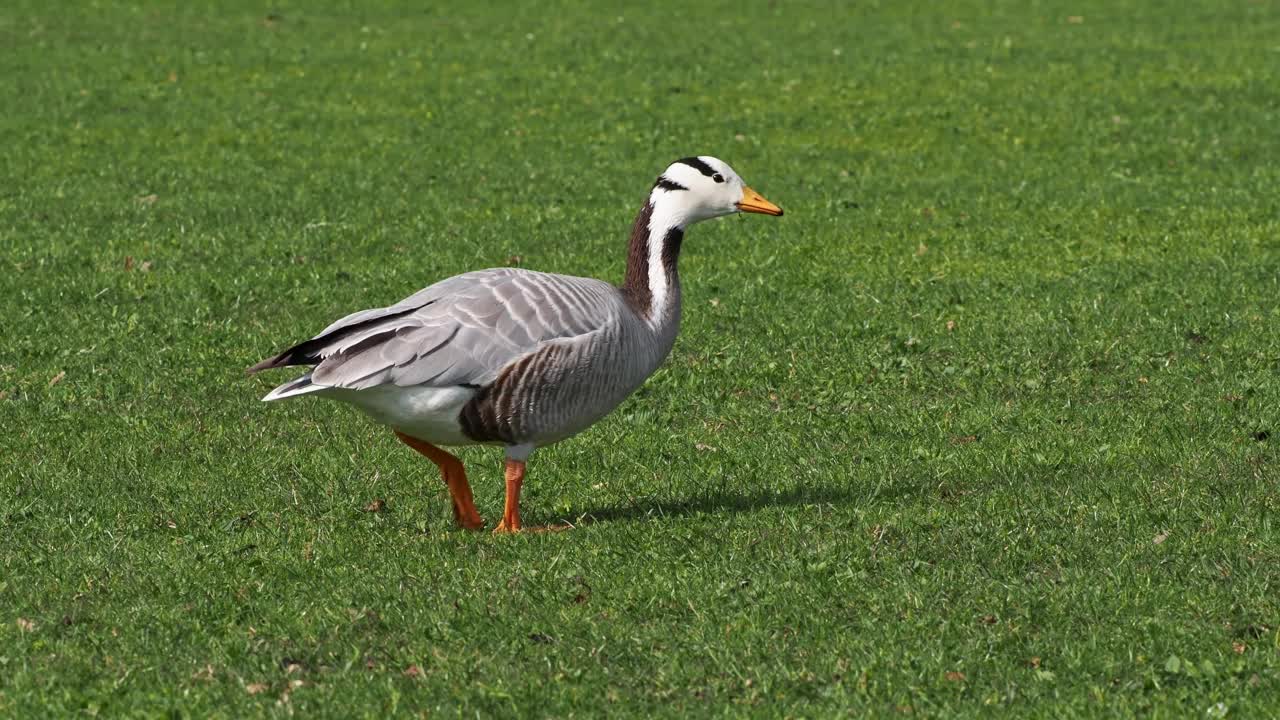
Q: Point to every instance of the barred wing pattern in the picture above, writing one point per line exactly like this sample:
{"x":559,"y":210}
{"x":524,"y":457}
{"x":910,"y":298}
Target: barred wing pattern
{"x":460,"y":331}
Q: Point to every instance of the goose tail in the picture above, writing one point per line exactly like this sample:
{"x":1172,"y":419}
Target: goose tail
{"x":299,"y":386}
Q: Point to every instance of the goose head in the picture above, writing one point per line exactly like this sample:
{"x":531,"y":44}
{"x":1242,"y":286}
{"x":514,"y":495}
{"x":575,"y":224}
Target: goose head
{"x":699,"y":188}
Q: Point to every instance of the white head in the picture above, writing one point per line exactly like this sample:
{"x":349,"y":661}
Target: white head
{"x":690,"y":190}
{"x":699,"y":188}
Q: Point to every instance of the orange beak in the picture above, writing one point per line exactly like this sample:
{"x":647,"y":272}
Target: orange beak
{"x":754,"y":202}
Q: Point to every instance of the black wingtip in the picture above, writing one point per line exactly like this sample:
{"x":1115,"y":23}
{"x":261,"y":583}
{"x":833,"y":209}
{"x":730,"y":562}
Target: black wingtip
{"x":268,"y":364}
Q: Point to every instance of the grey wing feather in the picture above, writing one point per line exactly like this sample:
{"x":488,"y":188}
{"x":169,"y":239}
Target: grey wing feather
{"x":463,"y":330}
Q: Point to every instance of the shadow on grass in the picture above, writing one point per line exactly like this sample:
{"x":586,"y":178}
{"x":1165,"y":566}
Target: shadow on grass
{"x":727,"y":501}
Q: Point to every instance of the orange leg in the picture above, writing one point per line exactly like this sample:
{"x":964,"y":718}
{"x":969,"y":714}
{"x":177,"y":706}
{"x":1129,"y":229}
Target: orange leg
{"x":455,"y":476}
{"x":511,"y":510}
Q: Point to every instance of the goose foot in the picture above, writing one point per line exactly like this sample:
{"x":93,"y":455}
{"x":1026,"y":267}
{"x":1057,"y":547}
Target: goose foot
{"x":473,"y":524}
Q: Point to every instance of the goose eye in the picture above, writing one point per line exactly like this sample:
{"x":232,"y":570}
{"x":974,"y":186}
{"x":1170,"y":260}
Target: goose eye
{"x":718,"y":178}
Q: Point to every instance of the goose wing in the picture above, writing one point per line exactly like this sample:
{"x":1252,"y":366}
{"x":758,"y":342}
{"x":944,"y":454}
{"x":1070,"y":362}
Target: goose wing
{"x":459,"y":331}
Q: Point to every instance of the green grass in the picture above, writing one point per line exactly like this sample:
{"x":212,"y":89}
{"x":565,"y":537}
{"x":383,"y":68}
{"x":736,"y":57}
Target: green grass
{"x":980,"y":426}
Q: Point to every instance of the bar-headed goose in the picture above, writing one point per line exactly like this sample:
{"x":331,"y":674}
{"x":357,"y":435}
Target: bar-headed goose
{"x":515,"y":357}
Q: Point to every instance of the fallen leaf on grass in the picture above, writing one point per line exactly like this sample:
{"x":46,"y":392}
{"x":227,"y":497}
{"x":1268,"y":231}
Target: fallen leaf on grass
{"x":963,"y":439}
{"x":413,"y":671}
{"x":255,"y":688}
{"x":951,"y":325}
{"x":205,"y":674}
{"x":128,"y":262}
{"x":1075,"y":19}
{"x":57,"y":378}
{"x":514,"y":259}
{"x":955,"y":676}
{"x":704,"y":447}
{"x":584,"y":590}
{"x":364,"y":617}
{"x":1239,"y":647}
{"x":1164,"y":535}
{"x":284,"y":698}
{"x":26,"y":625}
{"x":377,"y":506}
{"x":148,"y":199}
{"x":1034,"y":662}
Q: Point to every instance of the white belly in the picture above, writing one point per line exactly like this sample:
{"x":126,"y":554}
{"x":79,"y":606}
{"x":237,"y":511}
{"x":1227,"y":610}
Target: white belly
{"x":427,"y":413}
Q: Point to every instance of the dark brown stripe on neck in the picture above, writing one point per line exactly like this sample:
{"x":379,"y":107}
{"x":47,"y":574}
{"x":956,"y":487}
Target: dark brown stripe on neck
{"x":635,"y":285}
{"x":671,"y":253}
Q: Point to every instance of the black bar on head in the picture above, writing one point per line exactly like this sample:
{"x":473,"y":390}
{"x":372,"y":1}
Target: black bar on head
{"x":697,"y":164}
{"x":666,"y":184}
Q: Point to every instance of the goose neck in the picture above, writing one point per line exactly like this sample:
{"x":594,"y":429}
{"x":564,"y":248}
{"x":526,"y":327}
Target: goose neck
{"x":652,"y":284}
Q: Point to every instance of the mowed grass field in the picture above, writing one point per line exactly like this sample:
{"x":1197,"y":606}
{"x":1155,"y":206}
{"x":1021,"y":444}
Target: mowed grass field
{"x":987,"y":423}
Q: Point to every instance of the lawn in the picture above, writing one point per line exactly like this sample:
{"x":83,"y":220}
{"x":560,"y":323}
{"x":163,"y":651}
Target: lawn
{"x":987,"y":423}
